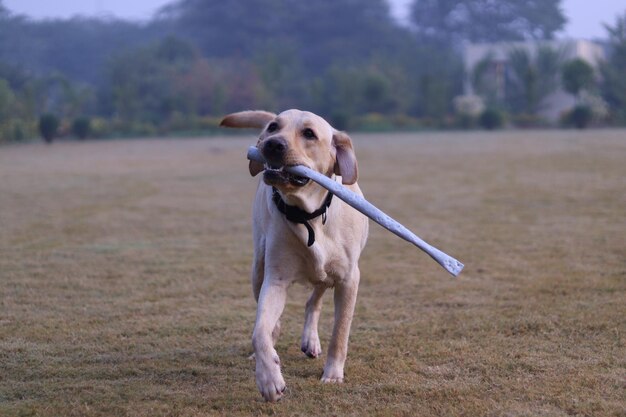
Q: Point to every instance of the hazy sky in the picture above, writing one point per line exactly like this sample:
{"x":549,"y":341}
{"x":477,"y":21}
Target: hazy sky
{"x":585,"y":16}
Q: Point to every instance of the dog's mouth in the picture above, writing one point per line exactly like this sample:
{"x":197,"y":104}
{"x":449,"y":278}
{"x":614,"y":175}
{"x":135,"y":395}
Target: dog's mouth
{"x":276,"y":175}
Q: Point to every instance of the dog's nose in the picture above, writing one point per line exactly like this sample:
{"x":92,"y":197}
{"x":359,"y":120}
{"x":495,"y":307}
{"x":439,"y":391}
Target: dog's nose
{"x":274,"y":148}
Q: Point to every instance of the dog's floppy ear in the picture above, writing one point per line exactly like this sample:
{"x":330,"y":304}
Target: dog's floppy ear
{"x":249,"y":118}
{"x":345,"y":164}
{"x":255,"y":167}
{"x":253,"y":119}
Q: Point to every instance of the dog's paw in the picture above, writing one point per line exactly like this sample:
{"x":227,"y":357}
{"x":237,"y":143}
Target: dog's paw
{"x":332,"y":380}
{"x":272,"y":387}
{"x":269,"y":380}
{"x":311,"y":346}
{"x":332,"y":375}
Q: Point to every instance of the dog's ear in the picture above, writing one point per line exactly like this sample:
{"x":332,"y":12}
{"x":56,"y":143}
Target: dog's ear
{"x":255,"y":167}
{"x":250,"y":118}
{"x":345,"y":165}
{"x":253,"y":119}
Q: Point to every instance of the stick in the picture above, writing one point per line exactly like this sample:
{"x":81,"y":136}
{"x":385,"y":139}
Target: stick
{"x":450,"y":264}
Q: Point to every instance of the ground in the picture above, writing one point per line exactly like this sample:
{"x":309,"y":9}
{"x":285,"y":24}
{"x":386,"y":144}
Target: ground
{"x":124,"y":280}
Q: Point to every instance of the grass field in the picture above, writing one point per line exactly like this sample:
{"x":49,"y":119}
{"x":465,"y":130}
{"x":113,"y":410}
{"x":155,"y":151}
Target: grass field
{"x":124,"y":280}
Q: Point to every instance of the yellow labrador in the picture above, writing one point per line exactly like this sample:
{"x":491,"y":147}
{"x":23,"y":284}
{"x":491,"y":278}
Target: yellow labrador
{"x":302,"y":234}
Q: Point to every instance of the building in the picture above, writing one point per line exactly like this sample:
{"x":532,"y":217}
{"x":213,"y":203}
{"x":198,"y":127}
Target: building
{"x":499,"y":68}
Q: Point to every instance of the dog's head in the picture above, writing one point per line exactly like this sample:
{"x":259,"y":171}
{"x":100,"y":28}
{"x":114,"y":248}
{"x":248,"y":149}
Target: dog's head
{"x":297,"y":137}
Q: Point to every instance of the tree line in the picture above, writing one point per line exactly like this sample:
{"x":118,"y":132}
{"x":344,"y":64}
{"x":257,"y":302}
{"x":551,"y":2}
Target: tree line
{"x":195,"y":60}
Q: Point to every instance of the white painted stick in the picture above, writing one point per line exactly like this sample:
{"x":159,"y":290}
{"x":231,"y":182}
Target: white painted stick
{"x":450,"y":264}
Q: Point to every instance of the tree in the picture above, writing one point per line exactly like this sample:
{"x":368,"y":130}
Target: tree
{"x":580,"y":116}
{"x":453,"y":21}
{"x":81,"y":127}
{"x":614,"y":83}
{"x":16,"y":104}
{"x":48,"y":125}
{"x":483,"y":83}
{"x":169,"y":80}
{"x":321,"y":32}
{"x":576,"y":75}
{"x":7,"y":98}
{"x":140,"y":83}
{"x":435,"y":96}
{"x":77,"y":48}
{"x":533,"y":77}
{"x":491,"y":119}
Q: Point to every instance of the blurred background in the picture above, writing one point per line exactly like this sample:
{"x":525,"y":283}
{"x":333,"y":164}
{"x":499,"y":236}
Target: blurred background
{"x":124,"y":264}
{"x":110,"y":68}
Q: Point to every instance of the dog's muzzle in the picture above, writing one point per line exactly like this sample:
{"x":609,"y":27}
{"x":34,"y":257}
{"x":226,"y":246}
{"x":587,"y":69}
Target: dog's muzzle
{"x":278,"y":176}
{"x":274,"y":151}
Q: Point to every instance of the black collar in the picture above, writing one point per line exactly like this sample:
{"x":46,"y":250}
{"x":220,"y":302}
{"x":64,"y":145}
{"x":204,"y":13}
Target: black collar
{"x":297,"y":215}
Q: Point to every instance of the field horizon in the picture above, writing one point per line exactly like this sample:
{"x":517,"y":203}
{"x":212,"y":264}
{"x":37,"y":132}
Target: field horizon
{"x":124,"y":280}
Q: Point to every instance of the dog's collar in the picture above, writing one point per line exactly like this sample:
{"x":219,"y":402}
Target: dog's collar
{"x":297,"y":215}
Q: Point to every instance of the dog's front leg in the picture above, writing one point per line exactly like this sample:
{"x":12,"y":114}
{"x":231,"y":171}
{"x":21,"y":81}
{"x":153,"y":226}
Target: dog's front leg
{"x":271,"y":303}
{"x":345,"y":300}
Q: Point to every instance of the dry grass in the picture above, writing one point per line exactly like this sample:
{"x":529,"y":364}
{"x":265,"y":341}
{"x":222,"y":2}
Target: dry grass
{"x":124,"y":280}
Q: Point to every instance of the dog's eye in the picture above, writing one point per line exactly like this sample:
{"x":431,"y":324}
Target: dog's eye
{"x":272,"y":127}
{"x":309,"y":133}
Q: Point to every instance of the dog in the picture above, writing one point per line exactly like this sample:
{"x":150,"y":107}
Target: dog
{"x":302,"y":234}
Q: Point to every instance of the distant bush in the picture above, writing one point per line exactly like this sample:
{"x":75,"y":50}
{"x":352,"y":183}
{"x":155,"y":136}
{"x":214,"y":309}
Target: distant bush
{"x":576,"y":76}
{"x":599,"y":108}
{"x":491,"y":119}
{"x":525,"y":120}
{"x":374,"y":122}
{"x":48,"y":126}
{"x":429,"y":122}
{"x":464,"y":121}
{"x":377,"y":122}
{"x":207,"y":122}
{"x":21,"y":130}
{"x":402,"y":121}
{"x":580,"y":116}
{"x":100,"y":127}
{"x":340,"y":119}
{"x":81,"y":127}
{"x":15,"y":130}
{"x":468,"y":105}
{"x":142,"y":129}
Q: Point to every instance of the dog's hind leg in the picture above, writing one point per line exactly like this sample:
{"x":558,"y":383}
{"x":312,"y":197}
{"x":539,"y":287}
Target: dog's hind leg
{"x":310,"y":343}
